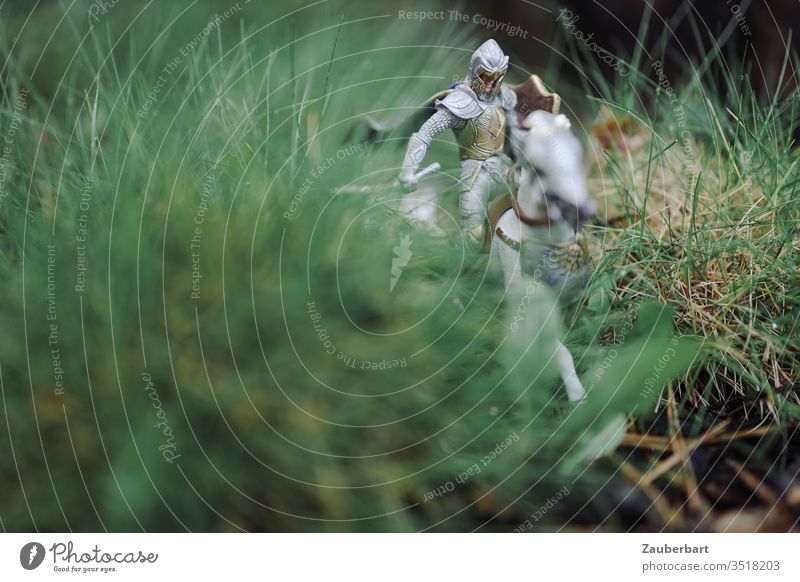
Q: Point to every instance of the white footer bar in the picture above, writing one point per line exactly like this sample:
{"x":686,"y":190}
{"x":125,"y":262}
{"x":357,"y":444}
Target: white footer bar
{"x":400,"y":557}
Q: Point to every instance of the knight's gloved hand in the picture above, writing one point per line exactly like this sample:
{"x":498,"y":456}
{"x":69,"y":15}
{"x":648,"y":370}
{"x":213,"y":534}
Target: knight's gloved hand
{"x":408,"y":182}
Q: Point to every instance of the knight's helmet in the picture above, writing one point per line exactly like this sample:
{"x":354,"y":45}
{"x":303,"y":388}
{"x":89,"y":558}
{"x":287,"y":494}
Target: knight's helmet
{"x":487,"y":67}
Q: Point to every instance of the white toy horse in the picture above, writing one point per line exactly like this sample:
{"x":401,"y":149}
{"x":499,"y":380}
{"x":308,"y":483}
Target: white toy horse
{"x":534,"y":233}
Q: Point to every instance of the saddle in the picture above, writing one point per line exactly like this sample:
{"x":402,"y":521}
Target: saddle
{"x":503,"y":204}
{"x":568,"y":257}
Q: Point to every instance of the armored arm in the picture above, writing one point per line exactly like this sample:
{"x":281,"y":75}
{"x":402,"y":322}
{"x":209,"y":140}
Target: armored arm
{"x":516,"y":133}
{"x":419,"y":143}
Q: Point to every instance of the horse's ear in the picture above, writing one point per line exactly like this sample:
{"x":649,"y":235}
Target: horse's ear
{"x":527,"y":123}
{"x":562,"y":121}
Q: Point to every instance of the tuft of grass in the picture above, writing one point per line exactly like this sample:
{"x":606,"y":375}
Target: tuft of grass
{"x":699,"y":178}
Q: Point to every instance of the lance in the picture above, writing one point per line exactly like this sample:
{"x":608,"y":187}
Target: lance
{"x":434,"y":167}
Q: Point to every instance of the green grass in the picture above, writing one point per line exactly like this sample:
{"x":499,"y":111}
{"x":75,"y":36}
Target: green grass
{"x":273,"y":432}
{"x":718,"y":243}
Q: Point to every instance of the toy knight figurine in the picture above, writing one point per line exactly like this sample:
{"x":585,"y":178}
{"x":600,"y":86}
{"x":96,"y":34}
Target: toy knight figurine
{"x":478,"y":110}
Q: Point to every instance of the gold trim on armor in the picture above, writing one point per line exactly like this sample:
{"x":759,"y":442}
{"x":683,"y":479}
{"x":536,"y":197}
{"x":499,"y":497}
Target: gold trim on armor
{"x":483,"y":136}
{"x":476,"y":236}
{"x":470,"y":181}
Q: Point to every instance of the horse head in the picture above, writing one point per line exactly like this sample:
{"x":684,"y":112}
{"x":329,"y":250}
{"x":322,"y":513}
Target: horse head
{"x":552,"y":154}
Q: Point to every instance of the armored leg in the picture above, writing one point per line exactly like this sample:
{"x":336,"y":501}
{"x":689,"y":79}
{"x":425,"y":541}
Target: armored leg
{"x":478,"y":181}
{"x":475,"y":189}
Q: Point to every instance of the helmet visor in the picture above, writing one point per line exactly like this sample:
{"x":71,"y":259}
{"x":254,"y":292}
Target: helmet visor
{"x":490,"y":79}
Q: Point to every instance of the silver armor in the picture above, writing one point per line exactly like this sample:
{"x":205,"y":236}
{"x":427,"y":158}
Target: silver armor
{"x":478,"y":110}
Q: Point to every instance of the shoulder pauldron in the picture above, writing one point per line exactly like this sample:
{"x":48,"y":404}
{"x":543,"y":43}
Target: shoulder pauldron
{"x":461,"y":102}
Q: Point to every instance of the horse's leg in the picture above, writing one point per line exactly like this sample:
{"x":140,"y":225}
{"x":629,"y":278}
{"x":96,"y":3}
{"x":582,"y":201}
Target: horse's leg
{"x":509,"y":257}
{"x":572,"y":383}
{"x":421,"y":209}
